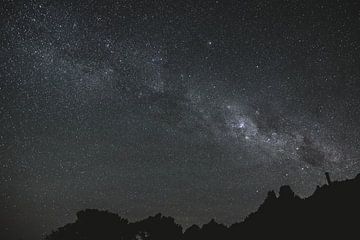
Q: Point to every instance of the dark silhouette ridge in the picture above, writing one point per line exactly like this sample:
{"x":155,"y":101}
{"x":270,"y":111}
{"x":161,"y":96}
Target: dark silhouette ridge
{"x":331,"y":212}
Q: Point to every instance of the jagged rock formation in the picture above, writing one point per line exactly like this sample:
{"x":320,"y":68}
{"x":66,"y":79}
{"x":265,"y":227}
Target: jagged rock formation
{"x":331,"y":212}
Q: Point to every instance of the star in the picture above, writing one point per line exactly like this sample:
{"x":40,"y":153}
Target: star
{"x":139,"y":109}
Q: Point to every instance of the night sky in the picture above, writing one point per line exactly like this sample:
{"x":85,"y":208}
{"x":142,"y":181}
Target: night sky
{"x":190,"y":108}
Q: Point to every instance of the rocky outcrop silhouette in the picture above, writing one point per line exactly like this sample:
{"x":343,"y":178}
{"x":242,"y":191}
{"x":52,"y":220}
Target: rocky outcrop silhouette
{"x":331,"y":212}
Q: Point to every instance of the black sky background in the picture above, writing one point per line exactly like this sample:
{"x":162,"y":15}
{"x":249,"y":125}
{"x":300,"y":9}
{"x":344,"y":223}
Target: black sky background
{"x":190,"y":108}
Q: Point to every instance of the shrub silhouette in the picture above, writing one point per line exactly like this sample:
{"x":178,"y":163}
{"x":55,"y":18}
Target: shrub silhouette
{"x":93,"y":224}
{"x":331,"y":212}
{"x":157,"y":227}
{"x":192,"y":233}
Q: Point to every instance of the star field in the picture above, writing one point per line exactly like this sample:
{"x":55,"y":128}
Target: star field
{"x":190,"y":108}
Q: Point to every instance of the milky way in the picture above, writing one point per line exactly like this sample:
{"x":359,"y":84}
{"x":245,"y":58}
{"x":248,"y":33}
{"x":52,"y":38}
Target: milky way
{"x":191,"y":108}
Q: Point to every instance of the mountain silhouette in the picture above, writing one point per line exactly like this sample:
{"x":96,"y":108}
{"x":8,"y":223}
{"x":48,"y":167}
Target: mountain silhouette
{"x":331,"y":212}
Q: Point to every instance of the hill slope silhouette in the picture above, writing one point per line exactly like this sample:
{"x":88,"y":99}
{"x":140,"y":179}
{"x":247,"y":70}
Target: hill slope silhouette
{"x":332,"y":212}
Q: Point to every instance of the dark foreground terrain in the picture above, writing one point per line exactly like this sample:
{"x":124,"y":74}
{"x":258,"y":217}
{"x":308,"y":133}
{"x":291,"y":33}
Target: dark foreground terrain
{"x":332,"y":212}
